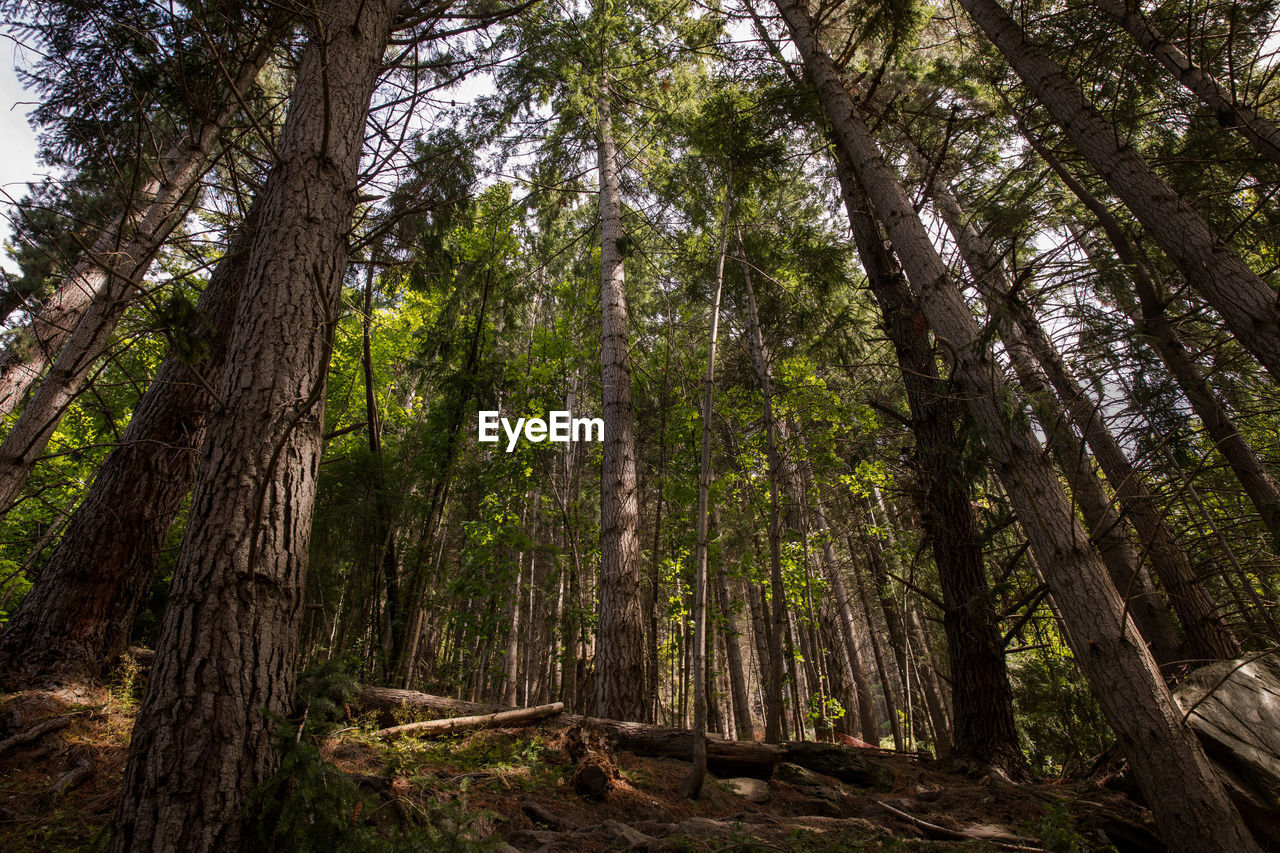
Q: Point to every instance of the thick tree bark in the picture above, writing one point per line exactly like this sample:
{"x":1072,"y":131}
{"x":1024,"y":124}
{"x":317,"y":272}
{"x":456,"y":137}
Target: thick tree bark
{"x":982,"y":698}
{"x":620,"y":669}
{"x":1207,"y":633}
{"x":226,"y":657}
{"x":1246,"y":303}
{"x":80,"y":611}
{"x":1195,"y":814}
{"x":83,"y":312}
{"x":1262,"y":134}
{"x":1149,"y":316}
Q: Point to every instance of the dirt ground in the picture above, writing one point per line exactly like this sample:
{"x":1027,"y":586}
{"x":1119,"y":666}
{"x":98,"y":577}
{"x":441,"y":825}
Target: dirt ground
{"x":512,"y":789}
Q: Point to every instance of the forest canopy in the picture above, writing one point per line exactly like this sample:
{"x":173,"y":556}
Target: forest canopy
{"x":925,"y":357}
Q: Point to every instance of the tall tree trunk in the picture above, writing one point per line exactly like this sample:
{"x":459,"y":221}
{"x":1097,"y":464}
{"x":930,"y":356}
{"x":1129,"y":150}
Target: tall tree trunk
{"x":1195,"y":814}
{"x":733,"y":657}
{"x":82,"y":607}
{"x":691,"y":787}
{"x":1245,"y":302}
{"x":384,"y":534}
{"x":866,"y":707}
{"x":982,"y":697}
{"x":1207,"y":633}
{"x":620,"y":668}
{"x":85,"y":309}
{"x":888,"y":682}
{"x":773,"y":725}
{"x":1262,"y":134}
{"x":1149,"y":316}
{"x":225,"y":660}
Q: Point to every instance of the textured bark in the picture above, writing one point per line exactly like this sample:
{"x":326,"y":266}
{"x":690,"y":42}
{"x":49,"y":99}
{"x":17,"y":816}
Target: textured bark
{"x":1149,"y":316}
{"x":773,"y":725}
{"x":81,"y":609}
{"x":620,"y":670}
{"x":1245,"y":302}
{"x":83,"y":312}
{"x":1207,"y":634}
{"x":225,"y":662}
{"x":1194,"y":814}
{"x":982,"y":698}
{"x":1262,"y":134}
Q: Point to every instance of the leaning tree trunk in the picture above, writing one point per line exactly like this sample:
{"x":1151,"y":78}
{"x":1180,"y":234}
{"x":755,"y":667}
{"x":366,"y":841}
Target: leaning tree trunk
{"x":982,"y":698}
{"x":1208,"y":635}
{"x":224,"y":667}
{"x":1262,"y":134}
{"x":81,"y":609}
{"x":620,"y":669}
{"x":102,"y":284}
{"x":1150,"y":317}
{"x":1195,"y":814}
{"x":1245,"y":301}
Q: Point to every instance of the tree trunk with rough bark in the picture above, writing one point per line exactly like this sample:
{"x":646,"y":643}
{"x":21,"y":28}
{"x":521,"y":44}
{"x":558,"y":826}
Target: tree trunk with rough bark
{"x":982,"y":698}
{"x":1244,"y":301}
{"x":1261,"y":133}
{"x":620,"y":667}
{"x":84,"y":310}
{"x":81,"y":609}
{"x":225,"y":663}
{"x":1149,"y":316}
{"x":1208,"y":635}
{"x":1195,"y":814}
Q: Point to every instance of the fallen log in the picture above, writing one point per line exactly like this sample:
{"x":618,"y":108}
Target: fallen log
{"x":432,"y":728}
{"x":725,"y":758}
{"x":389,"y":702}
{"x":35,"y":732}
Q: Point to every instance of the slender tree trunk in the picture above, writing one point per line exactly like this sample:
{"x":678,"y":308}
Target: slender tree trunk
{"x":82,"y":607}
{"x":225,"y":660}
{"x":888,"y":683}
{"x":691,"y":787}
{"x":1246,"y":303}
{"x":866,"y":707}
{"x":384,"y":534}
{"x":1262,"y":134}
{"x":1149,"y":316}
{"x":83,"y":312}
{"x":1195,"y":814}
{"x":620,"y":669}
{"x":777,"y":590}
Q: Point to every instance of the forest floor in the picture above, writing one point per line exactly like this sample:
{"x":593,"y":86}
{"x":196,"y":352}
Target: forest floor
{"x":510,"y":789}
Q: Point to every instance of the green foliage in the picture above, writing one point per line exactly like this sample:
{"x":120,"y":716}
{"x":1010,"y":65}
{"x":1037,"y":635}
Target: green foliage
{"x":1058,"y":831}
{"x":311,"y":805}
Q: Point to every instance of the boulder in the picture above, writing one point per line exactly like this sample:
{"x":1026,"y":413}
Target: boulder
{"x":1234,"y":708}
{"x":754,"y":790}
